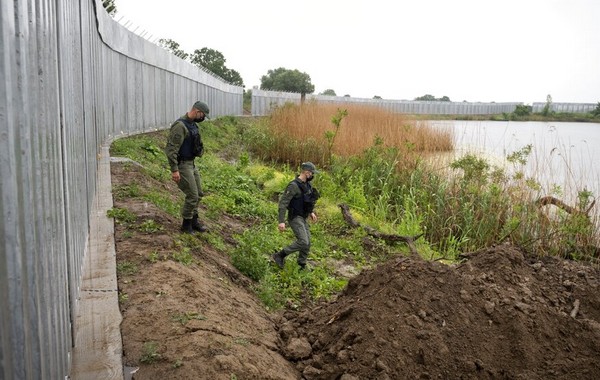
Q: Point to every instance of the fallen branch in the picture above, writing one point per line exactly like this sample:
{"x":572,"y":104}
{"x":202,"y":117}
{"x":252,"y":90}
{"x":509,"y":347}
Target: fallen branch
{"x":388,"y":238}
{"x":589,"y":250}
{"x":550,"y":200}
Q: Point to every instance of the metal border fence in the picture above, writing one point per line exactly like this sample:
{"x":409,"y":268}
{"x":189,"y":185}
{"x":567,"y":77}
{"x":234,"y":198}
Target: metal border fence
{"x":71,"y":79}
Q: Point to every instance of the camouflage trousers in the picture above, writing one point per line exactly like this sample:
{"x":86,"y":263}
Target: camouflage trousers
{"x":191,"y":186}
{"x":301,"y":230}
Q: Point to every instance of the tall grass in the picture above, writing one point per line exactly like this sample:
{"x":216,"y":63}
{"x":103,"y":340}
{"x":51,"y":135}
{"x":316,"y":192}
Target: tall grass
{"x":382,"y":168}
{"x":298,"y":132}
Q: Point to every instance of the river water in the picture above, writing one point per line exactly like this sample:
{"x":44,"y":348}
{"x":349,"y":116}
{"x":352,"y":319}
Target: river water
{"x":564,"y":155}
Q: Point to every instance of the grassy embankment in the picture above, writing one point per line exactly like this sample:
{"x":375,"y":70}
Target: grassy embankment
{"x":373,"y":161}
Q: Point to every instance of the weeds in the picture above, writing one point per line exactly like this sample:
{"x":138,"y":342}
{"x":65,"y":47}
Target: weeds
{"x":376,"y":163}
{"x":150,"y":226}
{"x":184,"y":318}
{"x":150,"y":353}
{"x":121,"y":216}
{"x":184,"y":256}
{"x":126,"y":268}
{"x":123,"y":297}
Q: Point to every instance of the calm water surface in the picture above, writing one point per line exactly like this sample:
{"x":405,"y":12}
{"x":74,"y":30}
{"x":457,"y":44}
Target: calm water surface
{"x":563,"y":154}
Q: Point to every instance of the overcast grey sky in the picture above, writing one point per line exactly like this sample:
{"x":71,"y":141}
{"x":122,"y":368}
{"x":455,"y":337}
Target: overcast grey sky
{"x":473,"y":50}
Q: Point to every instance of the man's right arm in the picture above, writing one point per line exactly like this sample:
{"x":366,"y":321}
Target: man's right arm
{"x":290,"y":192}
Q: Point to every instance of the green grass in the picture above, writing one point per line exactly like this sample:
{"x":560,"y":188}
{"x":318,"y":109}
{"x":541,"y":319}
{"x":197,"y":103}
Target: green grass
{"x":150,"y":353}
{"x":150,"y":226}
{"x":121,"y":216}
{"x":126,"y":268}
{"x":472,"y":205}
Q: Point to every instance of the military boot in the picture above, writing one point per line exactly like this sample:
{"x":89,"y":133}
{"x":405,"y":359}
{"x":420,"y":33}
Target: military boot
{"x":279,"y":259}
{"x":196,"y":225}
{"x":186,"y":226}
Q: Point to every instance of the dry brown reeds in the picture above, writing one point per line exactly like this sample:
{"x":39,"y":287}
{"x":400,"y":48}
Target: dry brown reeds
{"x":358,"y":131}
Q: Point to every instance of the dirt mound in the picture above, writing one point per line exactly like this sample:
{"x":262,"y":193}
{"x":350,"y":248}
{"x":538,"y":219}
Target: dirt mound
{"x":497,"y":315}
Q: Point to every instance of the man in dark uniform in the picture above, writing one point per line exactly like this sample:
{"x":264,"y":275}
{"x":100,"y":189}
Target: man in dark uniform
{"x":184,"y":144}
{"x":298,"y":200}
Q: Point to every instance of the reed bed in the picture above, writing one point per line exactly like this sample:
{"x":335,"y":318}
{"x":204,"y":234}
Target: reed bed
{"x":301,"y":132}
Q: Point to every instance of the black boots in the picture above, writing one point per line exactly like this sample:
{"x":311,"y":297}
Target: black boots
{"x":197,"y":226}
{"x":186,"y":227}
{"x":279,"y":259}
{"x":191,"y":225}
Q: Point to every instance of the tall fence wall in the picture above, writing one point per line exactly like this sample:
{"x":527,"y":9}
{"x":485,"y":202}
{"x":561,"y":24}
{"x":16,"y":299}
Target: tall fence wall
{"x":72,"y":79}
{"x":264,"y":101}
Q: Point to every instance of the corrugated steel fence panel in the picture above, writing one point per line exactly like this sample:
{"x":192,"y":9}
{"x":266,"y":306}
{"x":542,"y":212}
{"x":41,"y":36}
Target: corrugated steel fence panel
{"x":264,"y":101}
{"x":565,"y":107}
{"x":71,"y":78}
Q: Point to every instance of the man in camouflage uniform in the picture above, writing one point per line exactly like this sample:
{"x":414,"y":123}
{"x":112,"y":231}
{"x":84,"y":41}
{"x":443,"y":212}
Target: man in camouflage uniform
{"x":184,"y":144}
{"x":298,"y":201}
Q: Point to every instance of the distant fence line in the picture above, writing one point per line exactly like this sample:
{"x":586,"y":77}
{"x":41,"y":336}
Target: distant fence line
{"x":72,"y":79}
{"x":264,"y":101}
{"x":565,"y":107}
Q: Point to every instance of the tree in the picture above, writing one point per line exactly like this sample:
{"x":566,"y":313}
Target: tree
{"x":214,"y":61}
{"x":377,"y":97}
{"x":247,"y":102}
{"x":431,"y":98}
{"x":522,"y":110}
{"x":548,"y":106}
{"x":110,"y":7}
{"x":173,"y":47}
{"x":596,"y":112}
{"x":426,"y":97}
{"x":328,"y":92}
{"x":282,"y":79}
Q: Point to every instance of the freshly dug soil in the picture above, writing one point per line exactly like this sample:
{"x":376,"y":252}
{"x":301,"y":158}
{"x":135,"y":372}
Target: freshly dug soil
{"x":497,"y":315}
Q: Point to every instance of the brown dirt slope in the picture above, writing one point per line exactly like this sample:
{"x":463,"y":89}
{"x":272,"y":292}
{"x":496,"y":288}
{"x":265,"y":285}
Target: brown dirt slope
{"x":497,"y":315}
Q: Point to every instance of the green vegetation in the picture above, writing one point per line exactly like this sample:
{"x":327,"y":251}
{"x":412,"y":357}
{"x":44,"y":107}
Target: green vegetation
{"x":126,"y":268}
{"x":110,"y":7}
{"x":596,"y":111}
{"x":149,"y":226}
{"x":377,"y":163}
{"x":150,"y":353}
{"x":205,"y":58}
{"x":214,"y":61}
{"x":121,"y":216}
{"x":431,"y":98}
{"x":282,"y":79}
{"x":184,"y":318}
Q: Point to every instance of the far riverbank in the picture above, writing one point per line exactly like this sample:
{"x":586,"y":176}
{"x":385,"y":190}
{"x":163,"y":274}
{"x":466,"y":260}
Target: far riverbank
{"x":556,"y":117}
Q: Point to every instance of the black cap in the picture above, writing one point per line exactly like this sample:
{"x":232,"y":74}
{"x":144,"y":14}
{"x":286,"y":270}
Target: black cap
{"x":201,"y":106}
{"x":309,"y":166}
